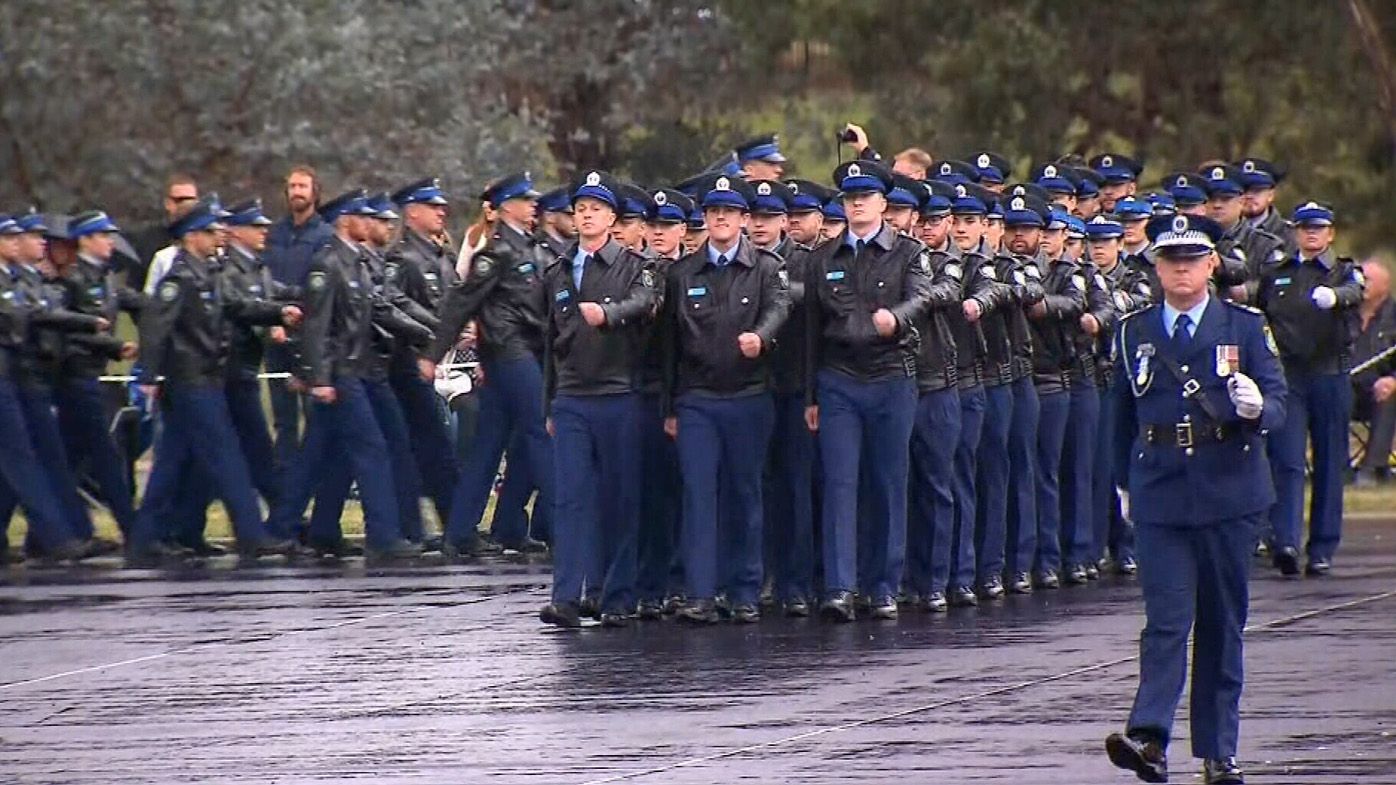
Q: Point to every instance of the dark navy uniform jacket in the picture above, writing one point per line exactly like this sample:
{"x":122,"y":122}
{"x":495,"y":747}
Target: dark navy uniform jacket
{"x":93,"y":289}
{"x":505,"y":292}
{"x":1311,"y":339}
{"x":1224,"y":473}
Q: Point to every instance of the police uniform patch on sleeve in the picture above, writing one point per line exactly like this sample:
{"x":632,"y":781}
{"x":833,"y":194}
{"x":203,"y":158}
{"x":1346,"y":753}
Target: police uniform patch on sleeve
{"x":1019,"y":278}
{"x":390,"y":272}
{"x":1079,"y":281}
{"x":1100,"y":283}
{"x":989,"y":272}
{"x":784,"y":278}
{"x":647,"y":278}
{"x":953,"y":270}
{"x":1270,"y":340}
{"x":169,"y":291}
{"x":483,"y":265}
{"x":317,"y":281}
{"x":1358,"y":276}
{"x":926,"y":262}
{"x":1033,"y":272}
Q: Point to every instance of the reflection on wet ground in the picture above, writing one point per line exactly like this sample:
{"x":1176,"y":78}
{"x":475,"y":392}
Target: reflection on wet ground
{"x":444,"y":675}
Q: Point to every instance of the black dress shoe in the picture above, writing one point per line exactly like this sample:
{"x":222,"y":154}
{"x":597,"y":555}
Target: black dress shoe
{"x":862,"y":603}
{"x":156,"y":555}
{"x":1287,"y":560}
{"x":471,"y":548}
{"x":1127,"y":566}
{"x":562,"y":614}
{"x":268,"y":547}
{"x":1092,"y":572}
{"x":992,"y":588}
{"x":698,"y":612}
{"x":651,"y":610}
{"x":526,"y":546}
{"x":614,"y":620}
{"x":746,"y":614}
{"x":432,"y":544}
{"x":1222,"y":771}
{"x":1022,"y":584}
{"x":797,"y":607}
{"x":11,"y":556}
{"x":723,"y":607}
{"x":884,"y":608}
{"x":963,"y":597}
{"x":337,"y":549}
{"x":1138,"y":753}
{"x":935,"y":602}
{"x":838,"y":607}
{"x":673,"y":603}
{"x":1047,"y":579}
{"x":1075,"y":575}
{"x":99,"y":546}
{"x":395,"y":552}
{"x":591,"y":608}
{"x":206,"y":550}
{"x":1317,"y":568}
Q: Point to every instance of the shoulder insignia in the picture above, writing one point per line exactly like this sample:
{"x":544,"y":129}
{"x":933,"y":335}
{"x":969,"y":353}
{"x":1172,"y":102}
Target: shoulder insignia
{"x":1243,"y":307}
{"x":317,"y":281}
{"x":390,"y":272}
{"x":1358,"y":276}
{"x":1033,"y":272}
{"x":1100,"y":283}
{"x":1079,"y":281}
{"x":647,"y":278}
{"x":1137,"y":311}
{"x":989,"y":272}
{"x":784,"y":277}
{"x":169,"y":291}
{"x":484,"y":265}
{"x":1270,"y":340}
{"x":953,"y":270}
{"x":925,"y":261}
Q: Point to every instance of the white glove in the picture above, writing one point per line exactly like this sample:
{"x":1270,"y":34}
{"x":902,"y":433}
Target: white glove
{"x":1245,"y":395}
{"x":1324,"y":297}
{"x":1124,"y":501}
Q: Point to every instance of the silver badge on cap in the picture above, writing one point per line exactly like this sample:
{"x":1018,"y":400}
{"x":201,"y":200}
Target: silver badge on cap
{"x":1107,"y":161}
{"x":983,"y":161}
{"x":1180,"y":223}
{"x":946,"y":168}
{"x":1018,"y":203}
{"x":1248,"y":167}
{"x":764,"y":189}
{"x":660,"y":199}
{"x":722,"y":184}
{"x":794,"y":187}
{"x":1019,"y":190}
{"x":854,"y":170}
{"x":1049,"y":171}
{"x":1310,"y":206}
{"x":961,"y":191}
{"x":1182,"y":181}
{"x":1218,"y":173}
{"x":593,"y":178}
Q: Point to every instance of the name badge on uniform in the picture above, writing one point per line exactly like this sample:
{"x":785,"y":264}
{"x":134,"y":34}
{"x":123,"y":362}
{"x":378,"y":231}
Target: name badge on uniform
{"x":1282,"y":281}
{"x":1228,"y":360}
{"x":698,"y":291}
{"x":562,"y":296}
{"x":526,"y":268}
{"x":834,"y":275}
{"x":1143,"y":355}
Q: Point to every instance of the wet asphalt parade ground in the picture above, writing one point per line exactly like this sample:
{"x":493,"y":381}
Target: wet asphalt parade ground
{"x":444,"y":675}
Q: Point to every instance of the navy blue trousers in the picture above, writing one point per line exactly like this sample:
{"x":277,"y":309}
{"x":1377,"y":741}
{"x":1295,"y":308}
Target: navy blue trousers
{"x":1078,"y":475}
{"x":722,"y":447}
{"x":1051,"y":436}
{"x":936,"y":442}
{"x":197,"y":429}
{"x":511,"y":402}
{"x":86,"y":429}
{"x":660,"y":498}
{"x":38,"y":404}
{"x":347,"y":431}
{"x":1112,"y":532}
{"x":789,"y":501}
{"x":596,"y":451}
{"x":426,"y":418}
{"x":990,"y":481}
{"x":337,"y":475}
{"x":512,"y":521}
{"x":1318,"y":408}
{"x":26,"y":479}
{"x":864,"y":427}
{"x":1194,"y":580}
{"x":1022,"y":470}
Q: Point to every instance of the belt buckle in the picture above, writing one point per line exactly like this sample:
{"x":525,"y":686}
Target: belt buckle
{"x":1182,"y":432}
{"x":1191,"y":388}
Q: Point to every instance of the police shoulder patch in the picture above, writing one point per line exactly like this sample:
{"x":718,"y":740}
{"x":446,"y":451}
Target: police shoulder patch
{"x":784,"y":277}
{"x":1033,"y":272}
{"x":1079,"y":281}
{"x":1100,"y":283}
{"x":1243,"y":307}
{"x":390,"y":272}
{"x":953,"y":270}
{"x":989,"y":272}
{"x":925,"y":262}
{"x":1270,"y":340}
{"x":647,"y":278}
{"x":169,"y":291}
{"x":484,"y":265}
{"x":317,"y":281}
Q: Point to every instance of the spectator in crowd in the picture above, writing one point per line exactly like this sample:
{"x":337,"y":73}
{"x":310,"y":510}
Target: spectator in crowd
{"x":181,"y":191}
{"x":1374,"y":400}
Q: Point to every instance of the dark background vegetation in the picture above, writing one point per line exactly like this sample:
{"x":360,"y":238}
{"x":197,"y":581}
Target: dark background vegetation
{"x":99,"y":101}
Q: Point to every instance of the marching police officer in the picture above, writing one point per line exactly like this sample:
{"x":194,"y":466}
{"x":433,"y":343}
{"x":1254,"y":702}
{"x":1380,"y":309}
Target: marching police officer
{"x":422,"y":269}
{"x":504,"y":293}
{"x":1121,"y":175}
{"x":865,"y":292}
{"x":658,"y":583}
{"x":185,"y":351}
{"x":723,"y":307}
{"x":1053,"y":359}
{"x":1311,"y":298}
{"x":1260,"y":178}
{"x":1200,"y":385}
{"x":556,"y":229}
{"x":599,"y":295}
{"x":1243,"y":248}
{"x":806,"y":217}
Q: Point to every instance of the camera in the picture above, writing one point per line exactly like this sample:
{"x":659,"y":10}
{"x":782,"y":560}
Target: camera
{"x":846,"y":135}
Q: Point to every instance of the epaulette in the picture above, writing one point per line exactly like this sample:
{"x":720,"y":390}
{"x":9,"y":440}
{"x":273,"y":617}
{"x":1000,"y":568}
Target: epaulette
{"x":1137,"y":311}
{"x":1244,"y":307}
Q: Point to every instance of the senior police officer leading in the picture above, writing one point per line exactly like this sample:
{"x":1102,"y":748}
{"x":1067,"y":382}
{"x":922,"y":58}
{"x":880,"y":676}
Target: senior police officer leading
{"x":1204,"y":385}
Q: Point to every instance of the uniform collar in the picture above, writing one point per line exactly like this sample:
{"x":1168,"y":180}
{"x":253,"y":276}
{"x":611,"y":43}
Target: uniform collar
{"x":739,"y":253}
{"x":421,"y":241}
{"x":1171,"y":314}
{"x":884,"y":237}
{"x":606,"y":254}
{"x":1324,"y":260}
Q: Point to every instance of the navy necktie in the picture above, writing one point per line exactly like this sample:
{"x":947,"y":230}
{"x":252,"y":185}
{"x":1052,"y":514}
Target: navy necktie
{"x":1182,"y":338}
{"x":858,"y":249}
{"x":722,"y":260}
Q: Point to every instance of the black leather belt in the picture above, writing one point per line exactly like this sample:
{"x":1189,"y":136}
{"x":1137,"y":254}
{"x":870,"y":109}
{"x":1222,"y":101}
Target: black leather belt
{"x":1187,"y":434}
